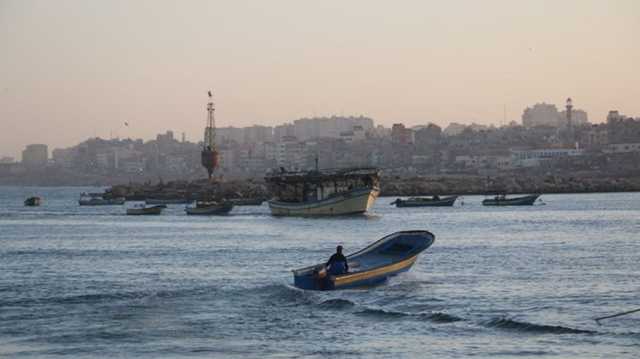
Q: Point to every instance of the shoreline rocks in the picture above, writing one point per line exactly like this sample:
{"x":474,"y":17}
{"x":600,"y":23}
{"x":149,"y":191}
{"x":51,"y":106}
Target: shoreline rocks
{"x":390,"y":186}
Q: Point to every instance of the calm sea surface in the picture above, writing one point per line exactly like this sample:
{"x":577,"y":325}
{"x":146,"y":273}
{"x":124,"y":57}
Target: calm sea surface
{"x":498,"y":282}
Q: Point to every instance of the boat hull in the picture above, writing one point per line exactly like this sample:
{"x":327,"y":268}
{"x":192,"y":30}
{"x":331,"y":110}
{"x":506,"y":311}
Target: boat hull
{"x":373,"y":265}
{"x":144,"y":211}
{"x":519,"y":201}
{"x":102,"y":202}
{"x":444,"y":202}
{"x":211,"y":210}
{"x":352,"y":202}
{"x":159,"y":201}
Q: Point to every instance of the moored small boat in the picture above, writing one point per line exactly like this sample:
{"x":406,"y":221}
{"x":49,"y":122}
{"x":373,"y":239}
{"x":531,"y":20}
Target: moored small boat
{"x":502,"y":200}
{"x":97,"y":199}
{"x":33,"y":201}
{"x":372,"y":265}
{"x":209,"y":208}
{"x":142,"y":210}
{"x":435,"y":201}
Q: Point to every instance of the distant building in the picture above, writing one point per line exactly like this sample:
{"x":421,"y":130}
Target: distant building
{"x":532,"y":158}
{"x":541,"y":114}
{"x":229,"y":134}
{"x":401,"y":135}
{"x":622,"y":129}
{"x":35,"y":155}
{"x":256,"y":134}
{"x":329,"y":127}
{"x":622,"y":148}
{"x":484,"y":161}
{"x":283,"y":131}
{"x":578,"y":118}
{"x":455,"y":128}
{"x":62,"y":157}
{"x":595,"y":136}
{"x":547,"y":115}
{"x":429,"y":136}
{"x":7,"y":159}
{"x":290,"y":153}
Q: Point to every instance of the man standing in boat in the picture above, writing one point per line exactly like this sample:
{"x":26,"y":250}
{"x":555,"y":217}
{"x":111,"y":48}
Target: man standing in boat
{"x":337,"y":264}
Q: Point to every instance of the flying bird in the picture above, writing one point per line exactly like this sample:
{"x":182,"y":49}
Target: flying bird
{"x":210,"y":94}
{"x":126,"y":124}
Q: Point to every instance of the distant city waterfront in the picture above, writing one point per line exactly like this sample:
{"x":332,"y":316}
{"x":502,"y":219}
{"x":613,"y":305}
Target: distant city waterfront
{"x":557,"y":151}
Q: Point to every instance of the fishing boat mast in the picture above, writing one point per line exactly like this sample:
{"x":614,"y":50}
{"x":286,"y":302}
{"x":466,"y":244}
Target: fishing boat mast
{"x":209,"y":155}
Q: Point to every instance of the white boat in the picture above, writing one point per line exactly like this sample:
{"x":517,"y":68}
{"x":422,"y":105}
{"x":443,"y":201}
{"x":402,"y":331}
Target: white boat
{"x":97,"y":199}
{"x":326,"y":193}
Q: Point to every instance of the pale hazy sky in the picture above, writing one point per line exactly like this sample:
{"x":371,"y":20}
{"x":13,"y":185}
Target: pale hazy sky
{"x":74,"y":69}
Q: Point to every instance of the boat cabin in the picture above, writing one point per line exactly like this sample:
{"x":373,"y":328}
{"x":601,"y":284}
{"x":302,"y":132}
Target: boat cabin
{"x":309,"y":186}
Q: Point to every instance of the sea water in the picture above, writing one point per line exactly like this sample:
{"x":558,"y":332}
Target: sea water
{"x":498,"y":281}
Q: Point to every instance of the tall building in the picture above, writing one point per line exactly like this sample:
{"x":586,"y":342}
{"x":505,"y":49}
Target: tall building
{"x":541,"y":114}
{"x":283,"y":131}
{"x":401,"y":135}
{"x":329,"y":127}
{"x":257,"y":133}
{"x":230,"y":134}
{"x":35,"y":155}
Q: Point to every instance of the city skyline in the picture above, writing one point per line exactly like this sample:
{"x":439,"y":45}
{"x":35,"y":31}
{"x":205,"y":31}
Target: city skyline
{"x":75,"y":70}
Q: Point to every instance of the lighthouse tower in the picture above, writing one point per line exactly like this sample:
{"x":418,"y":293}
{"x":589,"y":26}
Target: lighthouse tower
{"x":209,"y":155}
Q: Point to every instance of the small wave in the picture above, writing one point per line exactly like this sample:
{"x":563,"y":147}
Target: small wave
{"x":381,"y":313}
{"x":440,"y":317}
{"x":436,"y":317}
{"x":107,"y":297}
{"x":510,"y":324}
{"x":337,"y":303}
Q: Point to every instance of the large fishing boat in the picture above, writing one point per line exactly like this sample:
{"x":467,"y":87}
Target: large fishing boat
{"x":323,"y":193}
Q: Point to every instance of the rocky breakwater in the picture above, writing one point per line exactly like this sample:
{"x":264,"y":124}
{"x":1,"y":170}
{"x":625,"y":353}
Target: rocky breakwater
{"x":508,"y":183}
{"x":190,"y":190}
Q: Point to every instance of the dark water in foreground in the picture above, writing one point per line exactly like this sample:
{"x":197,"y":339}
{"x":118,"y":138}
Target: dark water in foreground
{"x":498,"y":282}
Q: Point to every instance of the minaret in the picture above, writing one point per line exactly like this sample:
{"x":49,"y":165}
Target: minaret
{"x":571,"y":137}
{"x":209,"y":156}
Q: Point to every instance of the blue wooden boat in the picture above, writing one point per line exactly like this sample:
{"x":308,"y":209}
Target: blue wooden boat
{"x":502,"y":200}
{"x":372,"y":265}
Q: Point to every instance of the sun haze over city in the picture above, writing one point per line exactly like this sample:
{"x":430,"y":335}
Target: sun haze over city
{"x":75,"y":69}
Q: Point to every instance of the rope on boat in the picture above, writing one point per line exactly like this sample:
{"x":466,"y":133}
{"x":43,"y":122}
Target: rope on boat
{"x":616,"y":315}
